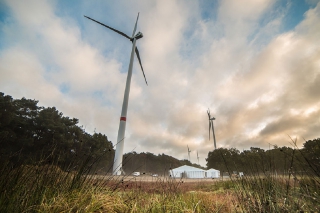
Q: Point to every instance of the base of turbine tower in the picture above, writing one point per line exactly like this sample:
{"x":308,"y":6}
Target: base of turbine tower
{"x":119,"y":172}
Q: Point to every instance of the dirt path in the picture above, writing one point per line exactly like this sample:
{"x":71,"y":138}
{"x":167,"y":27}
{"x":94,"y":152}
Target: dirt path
{"x":147,"y":178}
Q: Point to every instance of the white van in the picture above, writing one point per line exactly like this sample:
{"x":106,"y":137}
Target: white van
{"x":136,"y":173}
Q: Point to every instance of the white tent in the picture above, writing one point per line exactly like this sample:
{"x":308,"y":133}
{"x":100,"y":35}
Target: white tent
{"x":193,"y":172}
{"x":187,"y":172}
{"x":213,"y":173}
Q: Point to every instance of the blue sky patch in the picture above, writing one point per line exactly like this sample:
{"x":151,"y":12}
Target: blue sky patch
{"x":64,"y":88}
{"x":295,"y":14}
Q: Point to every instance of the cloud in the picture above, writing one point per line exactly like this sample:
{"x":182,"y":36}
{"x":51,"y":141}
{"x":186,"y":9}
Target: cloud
{"x":27,"y":73}
{"x":281,"y":80}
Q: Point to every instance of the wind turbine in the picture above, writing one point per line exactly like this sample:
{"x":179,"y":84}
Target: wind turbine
{"x":211,"y":126}
{"x":117,"y":164}
{"x":189,"y":153}
{"x":198,"y":158}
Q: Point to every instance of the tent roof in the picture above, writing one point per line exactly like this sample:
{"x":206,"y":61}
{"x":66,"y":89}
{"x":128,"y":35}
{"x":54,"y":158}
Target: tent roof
{"x":212,"y":170}
{"x":187,"y":168}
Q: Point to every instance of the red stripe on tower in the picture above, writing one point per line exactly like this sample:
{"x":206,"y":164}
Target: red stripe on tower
{"x":123,"y":118}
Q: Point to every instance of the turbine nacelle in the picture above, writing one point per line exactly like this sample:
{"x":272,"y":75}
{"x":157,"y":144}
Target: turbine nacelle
{"x":138,"y":35}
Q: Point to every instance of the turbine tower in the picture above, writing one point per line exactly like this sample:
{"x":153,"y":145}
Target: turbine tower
{"x":117,"y":164}
{"x":189,"y":153}
{"x":211,"y":126}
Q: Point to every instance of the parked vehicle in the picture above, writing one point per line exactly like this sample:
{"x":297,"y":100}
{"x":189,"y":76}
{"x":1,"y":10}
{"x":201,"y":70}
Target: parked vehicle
{"x":136,"y":174}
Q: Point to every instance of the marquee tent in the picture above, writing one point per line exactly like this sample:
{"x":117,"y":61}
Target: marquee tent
{"x":213,"y":173}
{"x":193,"y":172}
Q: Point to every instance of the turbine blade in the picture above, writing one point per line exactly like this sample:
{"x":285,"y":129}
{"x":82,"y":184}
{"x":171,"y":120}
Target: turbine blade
{"x":135,"y":26}
{"x":117,"y":31}
{"x":138,"y":56}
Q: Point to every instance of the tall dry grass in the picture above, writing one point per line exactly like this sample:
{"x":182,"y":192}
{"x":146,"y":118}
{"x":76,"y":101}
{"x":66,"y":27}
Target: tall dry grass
{"x":44,"y":187}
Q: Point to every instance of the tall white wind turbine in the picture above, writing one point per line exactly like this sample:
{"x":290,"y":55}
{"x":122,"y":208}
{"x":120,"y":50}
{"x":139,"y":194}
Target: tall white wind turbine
{"x":211,"y":119}
{"x":117,"y":164}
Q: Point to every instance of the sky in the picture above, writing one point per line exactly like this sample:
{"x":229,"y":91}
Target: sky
{"x":254,"y":63}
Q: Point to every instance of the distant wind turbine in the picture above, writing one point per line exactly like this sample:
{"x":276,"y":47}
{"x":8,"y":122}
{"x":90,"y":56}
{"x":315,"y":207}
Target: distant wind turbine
{"x":117,"y":165}
{"x":211,"y":119}
{"x":189,"y":153}
{"x":198,"y":158}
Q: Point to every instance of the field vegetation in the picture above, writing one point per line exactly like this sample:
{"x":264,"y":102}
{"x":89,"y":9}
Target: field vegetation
{"x":45,"y":187}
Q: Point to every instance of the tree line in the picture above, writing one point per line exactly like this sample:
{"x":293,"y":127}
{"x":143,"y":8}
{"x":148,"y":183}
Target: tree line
{"x":149,"y":163}
{"x":31,"y":133}
{"x":279,"y":160}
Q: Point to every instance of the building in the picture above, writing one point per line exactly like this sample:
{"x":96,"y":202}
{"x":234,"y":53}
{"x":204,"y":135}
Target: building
{"x":213,"y":173}
{"x":193,"y":172}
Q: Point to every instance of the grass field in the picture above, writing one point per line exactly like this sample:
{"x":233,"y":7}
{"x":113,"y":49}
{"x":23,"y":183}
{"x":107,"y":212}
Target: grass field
{"x":47,"y":188}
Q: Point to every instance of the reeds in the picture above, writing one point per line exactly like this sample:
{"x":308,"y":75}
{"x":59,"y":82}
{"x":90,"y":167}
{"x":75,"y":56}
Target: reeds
{"x":45,"y":187}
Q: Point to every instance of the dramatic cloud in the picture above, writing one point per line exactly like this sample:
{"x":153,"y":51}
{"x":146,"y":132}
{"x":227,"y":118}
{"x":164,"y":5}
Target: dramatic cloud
{"x":259,"y":77}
